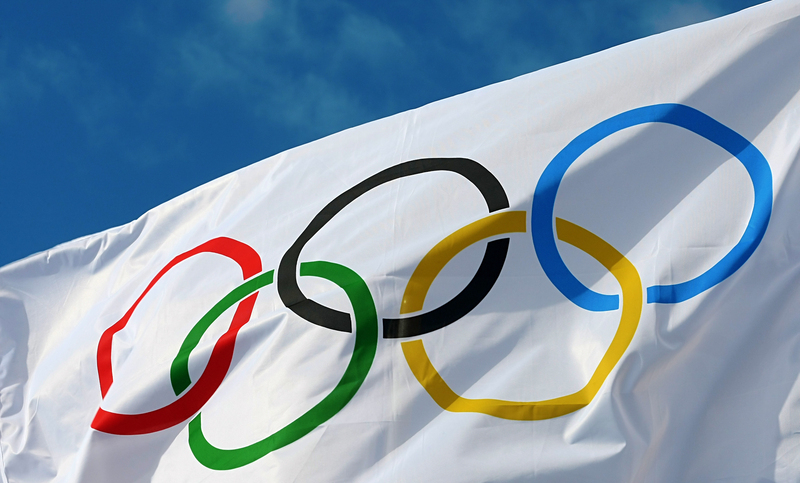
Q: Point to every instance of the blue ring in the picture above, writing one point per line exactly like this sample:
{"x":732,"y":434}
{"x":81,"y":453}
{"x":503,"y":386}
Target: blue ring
{"x":544,"y":198}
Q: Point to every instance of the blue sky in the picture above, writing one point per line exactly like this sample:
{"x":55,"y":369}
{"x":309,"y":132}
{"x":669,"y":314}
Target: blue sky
{"x":108,"y":109}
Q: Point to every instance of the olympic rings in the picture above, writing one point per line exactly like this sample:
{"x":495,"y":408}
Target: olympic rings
{"x":544,"y":198}
{"x":498,"y":223}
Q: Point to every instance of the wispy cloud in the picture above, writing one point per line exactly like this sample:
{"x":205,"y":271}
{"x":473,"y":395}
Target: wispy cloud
{"x":289,"y":63}
{"x":39,"y":77}
{"x":246,"y":11}
{"x":367,"y":38}
{"x":35,"y":73}
{"x":17,"y":84}
{"x":126,"y":105}
{"x":516,"y":37}
{"x":82,"y":85}
{"x":323,"y":66}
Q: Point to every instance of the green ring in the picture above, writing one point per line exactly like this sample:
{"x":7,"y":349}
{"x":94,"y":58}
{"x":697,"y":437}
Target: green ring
{"x":179,"y":371}
{"x":366,"y":342}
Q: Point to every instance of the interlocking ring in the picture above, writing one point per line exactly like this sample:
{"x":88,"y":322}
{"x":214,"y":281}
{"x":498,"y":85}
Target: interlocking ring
{"x":497,"y":225}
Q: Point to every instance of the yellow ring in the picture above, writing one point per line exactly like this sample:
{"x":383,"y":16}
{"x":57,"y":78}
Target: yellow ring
{"x":631,"y":285}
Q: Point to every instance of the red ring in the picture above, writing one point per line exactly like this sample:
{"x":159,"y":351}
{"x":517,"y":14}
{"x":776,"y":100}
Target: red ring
{"x":218,"y":363}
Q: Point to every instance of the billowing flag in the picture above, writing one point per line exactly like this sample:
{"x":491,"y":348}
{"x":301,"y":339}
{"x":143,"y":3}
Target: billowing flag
{"x":587,"y":273}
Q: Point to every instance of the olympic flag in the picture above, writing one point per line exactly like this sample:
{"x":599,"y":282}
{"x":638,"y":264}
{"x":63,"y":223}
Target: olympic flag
{"x":587,"y":273}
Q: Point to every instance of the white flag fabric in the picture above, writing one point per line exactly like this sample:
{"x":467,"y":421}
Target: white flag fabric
{"x":587,"y":273}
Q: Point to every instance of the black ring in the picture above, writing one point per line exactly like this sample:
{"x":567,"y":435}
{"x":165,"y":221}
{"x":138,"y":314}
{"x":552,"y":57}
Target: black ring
{"x":496,"y":199}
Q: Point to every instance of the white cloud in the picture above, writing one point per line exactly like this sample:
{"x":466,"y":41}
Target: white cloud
{"x":369,"y":38}
{"x":93,"y":99}
{"x":17,"y":85}
{"x":37,"y":77}
{"x":246,"y":11}
{"x":271,"y":90}
{"x":283,"y":69}
{"x":514,"y":37}
{"x":493,"y":29}
{"x":33,"y":73}
{"x":207,"y":66}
